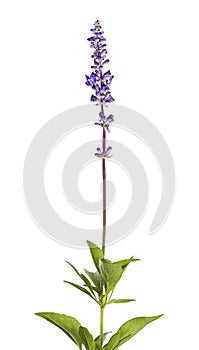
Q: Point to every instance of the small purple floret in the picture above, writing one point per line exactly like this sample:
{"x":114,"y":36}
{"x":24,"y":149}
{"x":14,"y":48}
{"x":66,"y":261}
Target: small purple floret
{"x":94,"y":98}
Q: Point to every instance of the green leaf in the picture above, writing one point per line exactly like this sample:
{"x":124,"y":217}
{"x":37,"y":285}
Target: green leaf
{"x":98,"y":347}
{"x":128,"y":330}
{"x":69,"y":325}
{"x":119,"y":301}
{"x":73,"y":267}
{"x":110,"y":273}
{"x":97,"y":339}
{"x":87,"y":338}
{"x":96,"y":253}
{"x":83,"y":278}
{"x":95,"y":278}
{"x":124,"y":263}
{"x":84,"y":290}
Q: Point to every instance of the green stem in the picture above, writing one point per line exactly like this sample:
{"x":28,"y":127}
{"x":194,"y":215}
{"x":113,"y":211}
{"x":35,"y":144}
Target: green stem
{"x":101,"y":325}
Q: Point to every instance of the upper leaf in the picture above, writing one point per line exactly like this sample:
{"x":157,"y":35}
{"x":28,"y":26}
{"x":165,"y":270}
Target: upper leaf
{"x":69,"y":325}
{"x":83,"y":278}
{"x":96,"y":253}
{"x":128,"y":330}
{"x":124,"y":263}
{"x":87,"y":338}
{"x":95,"y":278}
{"x":84,"y":290}
{"x":110,"y":273}
{"x":119,"y":301}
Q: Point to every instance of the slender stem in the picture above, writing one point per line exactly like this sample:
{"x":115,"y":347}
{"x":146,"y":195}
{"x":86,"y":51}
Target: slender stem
{"x":101,"y":325}
{"x":104,"y":228}
{"x":104,"y":192}
{"x":103,"y":175}
{"x":104,"y":214}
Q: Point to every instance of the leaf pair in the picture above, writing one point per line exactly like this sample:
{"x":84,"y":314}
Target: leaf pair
{"x":81,"y":335}
{"x":73,"y":329}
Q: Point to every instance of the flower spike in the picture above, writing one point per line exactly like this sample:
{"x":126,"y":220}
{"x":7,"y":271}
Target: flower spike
{"x":98,"y":81}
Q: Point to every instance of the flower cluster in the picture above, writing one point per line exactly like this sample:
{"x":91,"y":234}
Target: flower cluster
{"x":98,"y":81}
{"x":103,"y":154}
{"x":105,"y":121}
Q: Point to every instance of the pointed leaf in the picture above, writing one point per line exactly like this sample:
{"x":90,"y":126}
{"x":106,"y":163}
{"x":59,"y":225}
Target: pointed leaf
{"x":119,"y":301}
{"x":69,"y":325}
{"x":96,"y":253}
{"x":73,"y":267}
{"x":83,"y":278}
{"x":88,"y":284}
{"x":95,"y":278}
{"x":87,"y":338}
{"x":98,"y":346}
{"x":128,"y":330}
{"x":84,"y":290}
{"x":97,"y":339}
{"x":110,"y":273}
{"x":124,"y":263}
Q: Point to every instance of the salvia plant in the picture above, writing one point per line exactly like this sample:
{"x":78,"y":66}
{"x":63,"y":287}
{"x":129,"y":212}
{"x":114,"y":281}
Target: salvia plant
{"x":99,"y":285}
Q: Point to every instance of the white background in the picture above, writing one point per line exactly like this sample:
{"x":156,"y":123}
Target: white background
{"x":153,"y":48}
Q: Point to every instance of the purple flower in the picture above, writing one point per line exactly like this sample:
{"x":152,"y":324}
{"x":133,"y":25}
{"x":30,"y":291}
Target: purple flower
{"x":110,"y":118}
{"x":106,"y":61}
{"x":103,"y":154}
{"x":98,"y":81}
{"x":105,"y":121}
{"x":109,"y":99}
{"x":91,"y":81}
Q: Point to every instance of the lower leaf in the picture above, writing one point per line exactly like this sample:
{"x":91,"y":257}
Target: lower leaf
{"x":128,"y":330}
{"x":97,"y":339}
{"x":87,"y":338}
{"x":69,"y":325}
